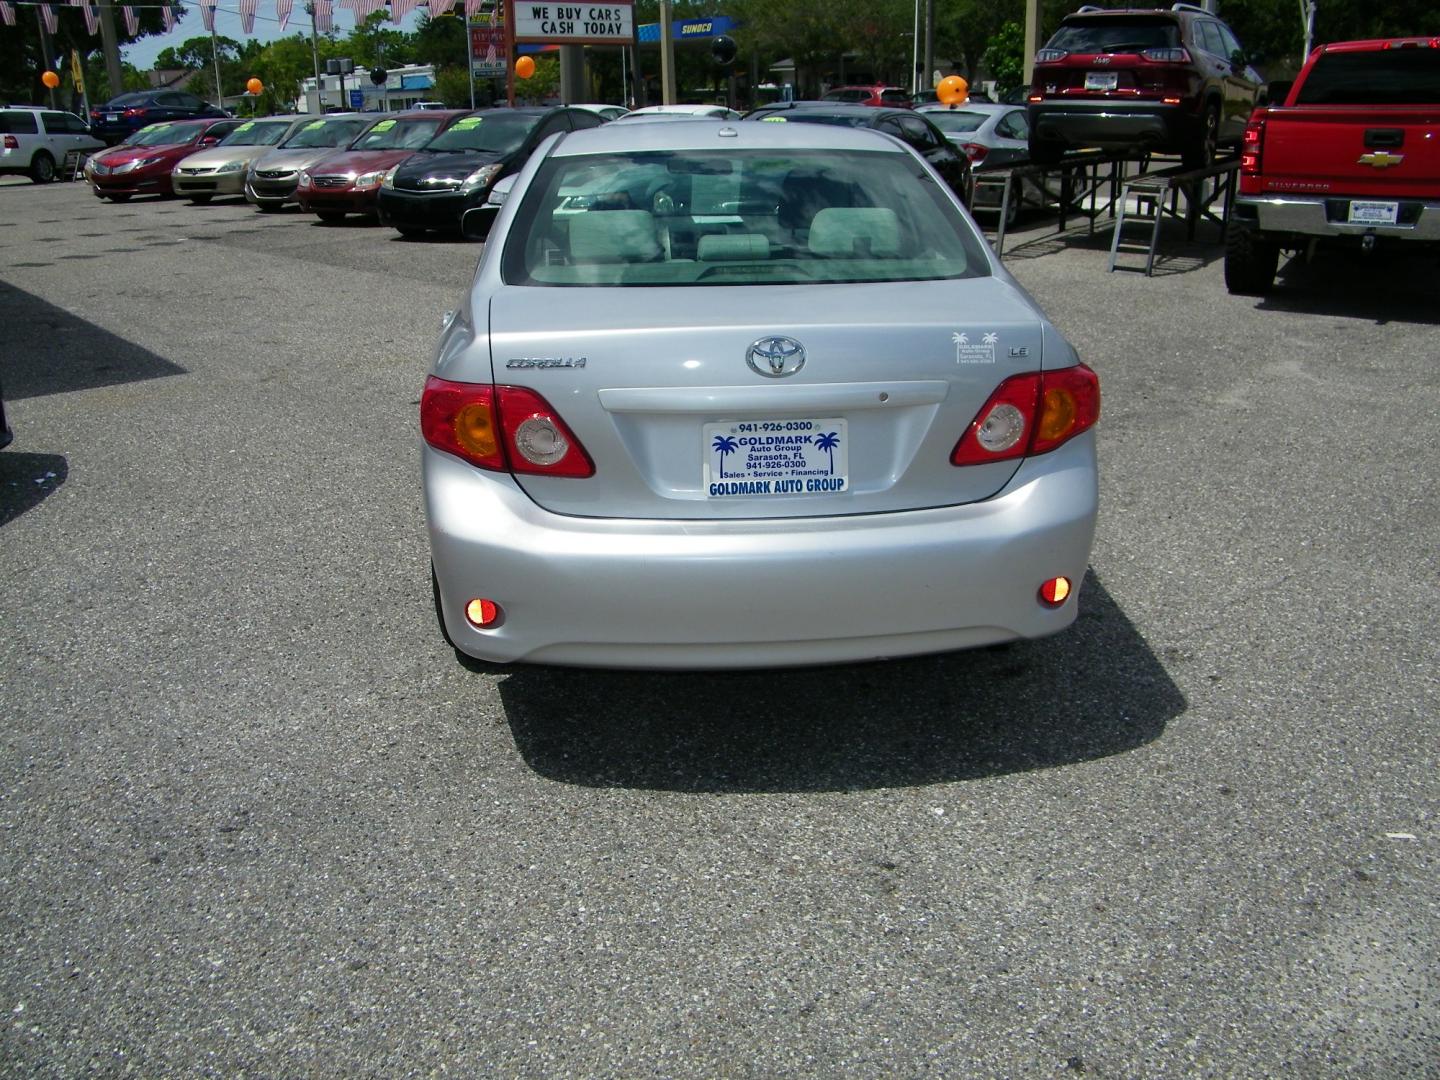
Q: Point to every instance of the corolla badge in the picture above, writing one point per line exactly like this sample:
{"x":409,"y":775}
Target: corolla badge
{"x":775,"y":357}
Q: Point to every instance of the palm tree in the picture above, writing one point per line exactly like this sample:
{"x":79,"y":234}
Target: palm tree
{"x":828,"y":441}
{"x":959,"y":339}
{"x":724,"y":445}
{"x":990,"y":338}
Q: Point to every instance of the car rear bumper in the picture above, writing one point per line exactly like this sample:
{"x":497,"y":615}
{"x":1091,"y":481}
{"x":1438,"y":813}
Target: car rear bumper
{"x":1318,"y":215}
{"x":209,"y":184}
{"x":1108,"y":123}
{"x":757,"y":593}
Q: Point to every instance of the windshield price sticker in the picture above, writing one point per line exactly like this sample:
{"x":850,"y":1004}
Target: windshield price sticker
{"x":1374,"y":213}
{"x":245,"y":126}
{"x":383,"y":125}
{"x":762,"y":458}
{"x":465,"y":123}
{"x":313,"y":125}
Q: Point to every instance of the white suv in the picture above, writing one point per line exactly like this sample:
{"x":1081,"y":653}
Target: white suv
{"x":35,"y":141}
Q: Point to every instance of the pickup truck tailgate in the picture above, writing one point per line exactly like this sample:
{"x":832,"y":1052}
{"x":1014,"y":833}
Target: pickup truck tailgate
{"x":1358,"y":150}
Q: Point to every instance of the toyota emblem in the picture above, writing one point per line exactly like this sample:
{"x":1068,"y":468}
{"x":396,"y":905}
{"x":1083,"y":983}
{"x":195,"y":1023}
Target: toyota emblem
{"x":776,"y":357}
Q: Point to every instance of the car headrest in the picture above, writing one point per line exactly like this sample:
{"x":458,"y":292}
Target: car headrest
{"x":855,"y":231}
{"x":733,"y":247}
{"x":613,"y":236}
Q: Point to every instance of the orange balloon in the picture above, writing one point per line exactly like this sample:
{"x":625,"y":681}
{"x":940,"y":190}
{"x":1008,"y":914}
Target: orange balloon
{"x":524,"y":67}
{"x":254,"y":86}
{"x":953,"y":90}
{"x":50,"y":79}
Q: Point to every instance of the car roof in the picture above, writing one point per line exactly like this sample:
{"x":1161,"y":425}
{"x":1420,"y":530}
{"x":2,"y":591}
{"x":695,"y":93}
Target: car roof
{"x":708,"y":135}
{"x":969,"y":106}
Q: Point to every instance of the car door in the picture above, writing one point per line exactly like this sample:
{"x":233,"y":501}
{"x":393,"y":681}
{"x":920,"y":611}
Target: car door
{"x":1242,"y":87}
{"x":1011,"y":141}
{"x":65,"y":132}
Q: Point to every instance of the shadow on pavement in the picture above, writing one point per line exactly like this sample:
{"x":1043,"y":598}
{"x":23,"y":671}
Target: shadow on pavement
{"x":1091,"y":692}
{"x":1396,"y":284}
{"x":47,"y":350}
{"x":26,"y":480}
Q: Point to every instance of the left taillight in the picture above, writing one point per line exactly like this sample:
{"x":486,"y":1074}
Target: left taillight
{"x":500,"y":428}
{"x":975,"y":152}
{"x":1031,"y":414}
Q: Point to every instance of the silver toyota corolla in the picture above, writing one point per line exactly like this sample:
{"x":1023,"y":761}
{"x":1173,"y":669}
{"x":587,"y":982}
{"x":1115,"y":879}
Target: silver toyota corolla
{"x":748,"y":395}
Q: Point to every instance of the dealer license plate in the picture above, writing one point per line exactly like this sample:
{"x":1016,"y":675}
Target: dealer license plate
{"x":1101,"y":80}
{"x":765,"y":458}
{"x":1374,"y":213}
{"x":111,"y":117}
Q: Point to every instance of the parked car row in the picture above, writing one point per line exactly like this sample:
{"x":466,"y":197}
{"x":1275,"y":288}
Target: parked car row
{"x":422,"y":170}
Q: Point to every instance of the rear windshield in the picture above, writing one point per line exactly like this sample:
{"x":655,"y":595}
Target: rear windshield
{"x":812,"y":116}
{"x":846,"y":95}
{"x":165,"y":135}
{"x":957,"y":121}
{"x":1109,"y":35}
{"x":755,"y":217}
{"x":257,"y":133}
{"x":137,"y":97}
{"x":18,"y":123}
{"x":322,"y":133}
{"x":497,"y":134}
{"x":398,"y":134}
{"x":1382,"y":77}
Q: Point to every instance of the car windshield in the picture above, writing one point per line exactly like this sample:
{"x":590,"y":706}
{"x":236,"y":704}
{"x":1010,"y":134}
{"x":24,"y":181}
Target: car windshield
{"x":257,"y":133}
{"x":321,"y":133}
{"x":492,"y":133}
{"x":1110,"y":35}
{"x":398,"y":135}
{"x":1373,"y":77}
{"x":164,"y":135}
{"x":957,"y":121}
{"x":749,"y":217}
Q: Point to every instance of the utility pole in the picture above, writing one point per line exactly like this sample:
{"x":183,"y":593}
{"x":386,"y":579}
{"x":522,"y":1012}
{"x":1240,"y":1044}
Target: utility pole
{"x":315,"y":56}
{"x":667,"y":56}
{"x":1032,"y":37}
{"x":111,"y":46}
{"x":45,"y":53}
{"x":929,"y":45}
{"x":215,"y":56}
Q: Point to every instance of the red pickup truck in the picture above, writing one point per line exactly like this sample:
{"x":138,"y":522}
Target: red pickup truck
{"x":1352,"y":156}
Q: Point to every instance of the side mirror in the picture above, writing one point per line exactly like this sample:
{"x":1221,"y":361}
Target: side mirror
{"x":1276,"y":92}
{"x":208,"y":140}
{"x":501,"y":191}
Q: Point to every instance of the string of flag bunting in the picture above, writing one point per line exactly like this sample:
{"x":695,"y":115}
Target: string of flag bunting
{"x":246,"y":9}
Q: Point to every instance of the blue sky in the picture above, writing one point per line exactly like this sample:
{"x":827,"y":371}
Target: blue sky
{"x":227,"y":24}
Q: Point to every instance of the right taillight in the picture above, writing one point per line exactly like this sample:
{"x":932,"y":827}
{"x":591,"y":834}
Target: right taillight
{"x":500,"y":428}
{"x":1031,"y":414}
{"x":1250,"y":146}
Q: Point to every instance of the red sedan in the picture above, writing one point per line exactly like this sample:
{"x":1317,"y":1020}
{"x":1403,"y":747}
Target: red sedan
{"x":348,"y":181}
{"x":142,"y":165}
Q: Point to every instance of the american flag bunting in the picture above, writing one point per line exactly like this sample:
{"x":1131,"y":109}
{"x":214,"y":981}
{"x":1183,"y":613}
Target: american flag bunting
{"x":324,"y":16}
{"x":247,"y":16}
{"x":7,"y":13}
{"x":282,"y":11}
{"x":167,"y":16}
{"x":47,"y":12}
{"x":132,"y":20}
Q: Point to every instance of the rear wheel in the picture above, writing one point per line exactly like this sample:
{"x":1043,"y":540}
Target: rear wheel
{"x":42,"y":167}
{"x":1200,"y":154}
{"x":330,"y":217}
{"x":1251,"y":260}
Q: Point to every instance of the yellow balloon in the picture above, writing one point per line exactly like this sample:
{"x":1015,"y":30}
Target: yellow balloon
{"x":50,"y":79}
{"x":524,"y":67}
{"x":953,"y":90}
{"x":254,"y":86}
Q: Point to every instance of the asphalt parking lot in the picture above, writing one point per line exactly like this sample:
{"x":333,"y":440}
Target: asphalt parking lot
{"x":258,"y":820}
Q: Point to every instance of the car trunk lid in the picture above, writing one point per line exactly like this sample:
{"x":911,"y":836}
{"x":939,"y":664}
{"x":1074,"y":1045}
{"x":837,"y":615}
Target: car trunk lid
{"x":695,"y":402}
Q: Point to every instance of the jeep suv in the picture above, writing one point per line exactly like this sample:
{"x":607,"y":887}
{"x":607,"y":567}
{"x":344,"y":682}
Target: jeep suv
{"x":1172,"y":81}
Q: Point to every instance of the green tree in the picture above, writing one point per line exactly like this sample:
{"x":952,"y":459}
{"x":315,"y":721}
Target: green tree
{"x":1004,"y":57}
{"x":281,"y":66}
{"x":373,"y":44}
{"x":22,"y":59}
{"x":452,"y":86}
{"x":441,"y":42}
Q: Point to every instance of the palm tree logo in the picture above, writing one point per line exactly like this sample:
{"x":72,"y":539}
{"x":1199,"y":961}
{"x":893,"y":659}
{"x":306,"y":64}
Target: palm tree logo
{"x":990,"y":339}
{"x":960,"y":340}
{"x":724,"y":445}
{"x":828,"y":441}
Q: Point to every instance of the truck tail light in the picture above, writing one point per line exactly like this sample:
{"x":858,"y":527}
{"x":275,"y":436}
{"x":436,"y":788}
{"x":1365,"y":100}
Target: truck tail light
{"x":1250,"y":143}
{"x":12,"y":143}
{"x":1031,"y":414}
{"x":500,"y":428}
{"x":1166,"y":56}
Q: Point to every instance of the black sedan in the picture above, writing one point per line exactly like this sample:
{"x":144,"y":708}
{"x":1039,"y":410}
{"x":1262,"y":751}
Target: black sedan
{"x":432,"y":188}
{"x":121,"y":116}
{"x":905,"y":124}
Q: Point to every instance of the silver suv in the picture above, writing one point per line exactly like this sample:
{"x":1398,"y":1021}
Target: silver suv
{"x":35,"y":141}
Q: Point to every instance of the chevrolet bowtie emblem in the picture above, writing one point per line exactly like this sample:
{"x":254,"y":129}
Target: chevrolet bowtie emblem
{"x":1381,"y":159}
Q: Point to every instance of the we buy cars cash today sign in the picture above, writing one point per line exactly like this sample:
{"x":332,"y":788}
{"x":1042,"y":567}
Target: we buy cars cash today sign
{"x":575,"y":24}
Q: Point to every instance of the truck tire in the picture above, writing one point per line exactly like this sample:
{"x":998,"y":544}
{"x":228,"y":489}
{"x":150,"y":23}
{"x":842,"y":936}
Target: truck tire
{"x":1251,"y":260}
{"x":1200,"y":154}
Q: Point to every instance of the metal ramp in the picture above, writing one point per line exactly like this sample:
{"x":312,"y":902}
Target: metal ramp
{"x":1150,"y":197}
